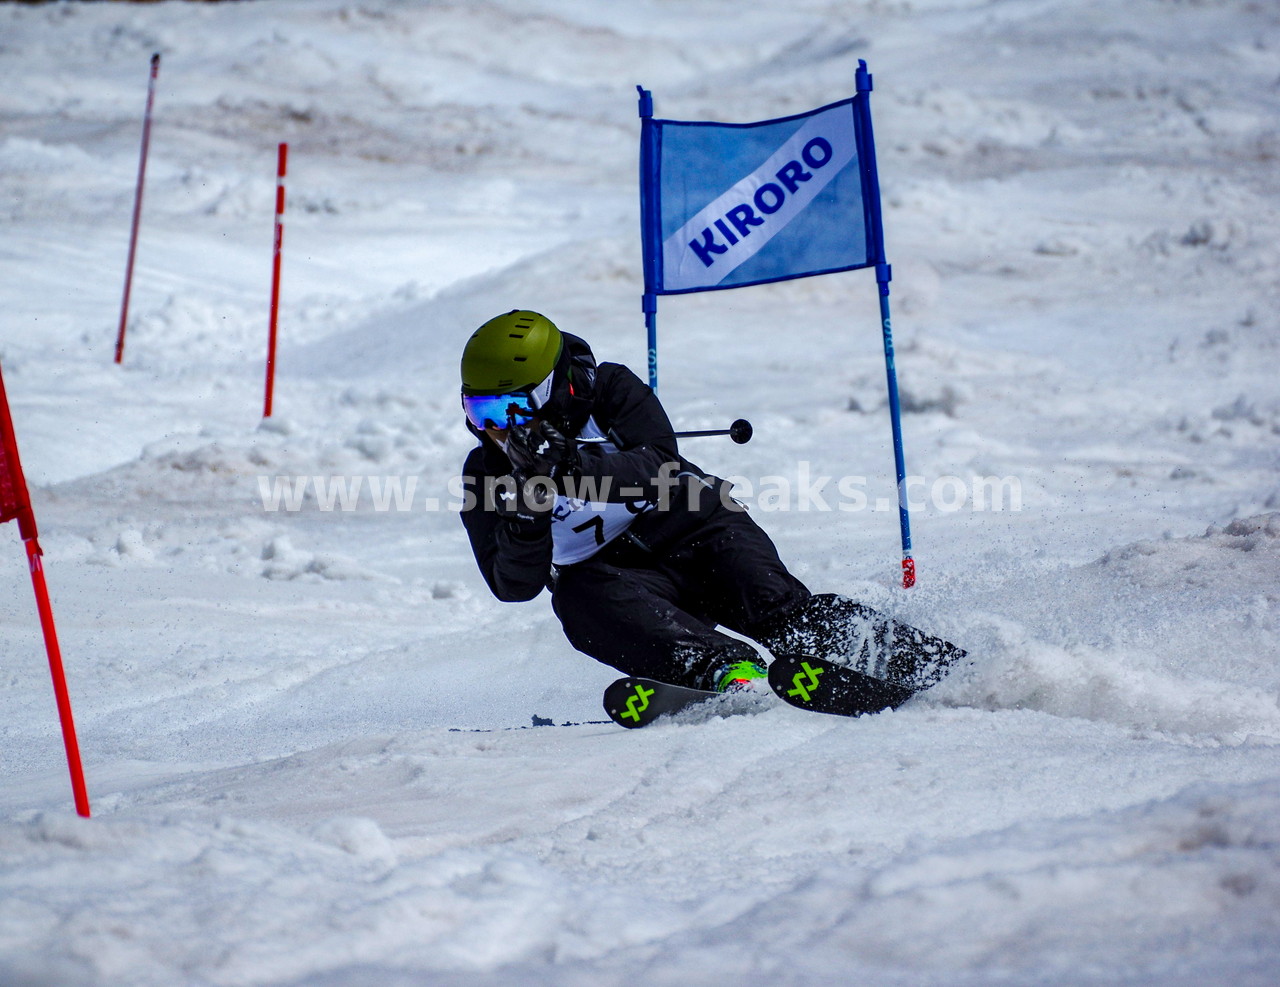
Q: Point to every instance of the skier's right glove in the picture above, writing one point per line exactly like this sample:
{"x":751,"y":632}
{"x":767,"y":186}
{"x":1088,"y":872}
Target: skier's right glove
{"x":526,"y":507}
{"x":541,"y":449}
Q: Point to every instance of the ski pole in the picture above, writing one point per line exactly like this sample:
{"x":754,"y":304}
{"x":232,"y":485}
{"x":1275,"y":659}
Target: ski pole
{"x":740,"y":431}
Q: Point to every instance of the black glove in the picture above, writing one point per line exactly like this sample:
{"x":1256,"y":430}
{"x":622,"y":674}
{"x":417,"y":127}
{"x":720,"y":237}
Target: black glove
{"x":526,"y":507}
{"x":541,"y":450}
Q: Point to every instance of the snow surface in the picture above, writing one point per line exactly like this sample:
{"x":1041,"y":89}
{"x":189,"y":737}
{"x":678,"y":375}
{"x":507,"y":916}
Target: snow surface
{"x":307,"y":733}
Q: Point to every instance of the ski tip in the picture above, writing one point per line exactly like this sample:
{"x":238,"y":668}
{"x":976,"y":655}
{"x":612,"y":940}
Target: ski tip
{"x":827,"y":687}
{"x":635,"y":702}
{"x":626,"y":701}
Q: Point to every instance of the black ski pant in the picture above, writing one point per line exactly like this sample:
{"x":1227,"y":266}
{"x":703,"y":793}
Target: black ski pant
{"x":655,"y":614}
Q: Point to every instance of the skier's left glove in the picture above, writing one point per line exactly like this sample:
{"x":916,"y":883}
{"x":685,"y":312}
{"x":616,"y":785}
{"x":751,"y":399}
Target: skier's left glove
{"x":541,"y":449}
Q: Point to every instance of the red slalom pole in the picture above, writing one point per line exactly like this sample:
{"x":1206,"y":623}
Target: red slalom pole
{"x":15,"y":504}
{"x":61,"y":695}
{"x":281,"y":166}
{"x":137,"y":205}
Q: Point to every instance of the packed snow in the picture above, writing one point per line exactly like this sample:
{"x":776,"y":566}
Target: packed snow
{"x":308,"y":731}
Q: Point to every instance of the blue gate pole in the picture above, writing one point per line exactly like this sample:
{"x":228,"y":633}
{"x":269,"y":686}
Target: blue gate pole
{"x":650,"y":305}
{"x":884,"y":274}
{"x":649,"y":226}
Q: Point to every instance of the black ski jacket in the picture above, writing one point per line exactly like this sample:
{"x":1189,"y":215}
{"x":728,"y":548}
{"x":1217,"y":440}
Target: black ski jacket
{"x":516,"y":561}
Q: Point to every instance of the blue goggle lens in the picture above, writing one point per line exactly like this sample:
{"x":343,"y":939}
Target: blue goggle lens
{"x":497,"y":410}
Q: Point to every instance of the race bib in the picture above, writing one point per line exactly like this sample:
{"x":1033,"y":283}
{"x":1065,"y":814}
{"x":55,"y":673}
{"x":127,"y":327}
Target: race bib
{"x":581,"y":527}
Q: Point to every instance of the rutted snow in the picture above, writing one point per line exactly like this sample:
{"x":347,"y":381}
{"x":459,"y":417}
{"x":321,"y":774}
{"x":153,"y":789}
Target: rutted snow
{"x":308,"y":733}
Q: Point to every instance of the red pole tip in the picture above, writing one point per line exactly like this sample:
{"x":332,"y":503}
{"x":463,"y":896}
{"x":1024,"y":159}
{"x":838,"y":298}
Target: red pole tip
{"x":908,"y":572}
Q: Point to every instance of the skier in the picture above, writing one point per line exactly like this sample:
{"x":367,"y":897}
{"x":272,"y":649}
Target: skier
{"x":577,"y":485}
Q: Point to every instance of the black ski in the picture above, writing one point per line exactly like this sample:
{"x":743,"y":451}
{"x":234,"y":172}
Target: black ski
{"x":801,"y":680}
{"x":825,"y":687}
{"x":635,"y":702}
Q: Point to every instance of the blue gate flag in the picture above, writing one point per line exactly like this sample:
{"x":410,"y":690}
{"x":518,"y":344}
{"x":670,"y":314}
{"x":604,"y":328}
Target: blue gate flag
{"x":724,"y":205}
{"x":728,"y":205}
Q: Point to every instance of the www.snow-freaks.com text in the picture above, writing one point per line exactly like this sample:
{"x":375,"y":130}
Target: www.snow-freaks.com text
{"x":672,"y":490}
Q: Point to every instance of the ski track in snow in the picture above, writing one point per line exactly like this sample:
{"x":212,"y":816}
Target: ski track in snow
{"x":307,"y":733}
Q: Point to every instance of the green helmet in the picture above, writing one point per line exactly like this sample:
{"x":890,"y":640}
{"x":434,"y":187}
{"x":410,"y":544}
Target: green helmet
{"x":514,"y":352}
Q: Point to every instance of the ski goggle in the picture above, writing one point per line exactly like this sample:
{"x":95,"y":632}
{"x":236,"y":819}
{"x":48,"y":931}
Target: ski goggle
{"x":505,"y":410}
{"x":497,"y":410}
